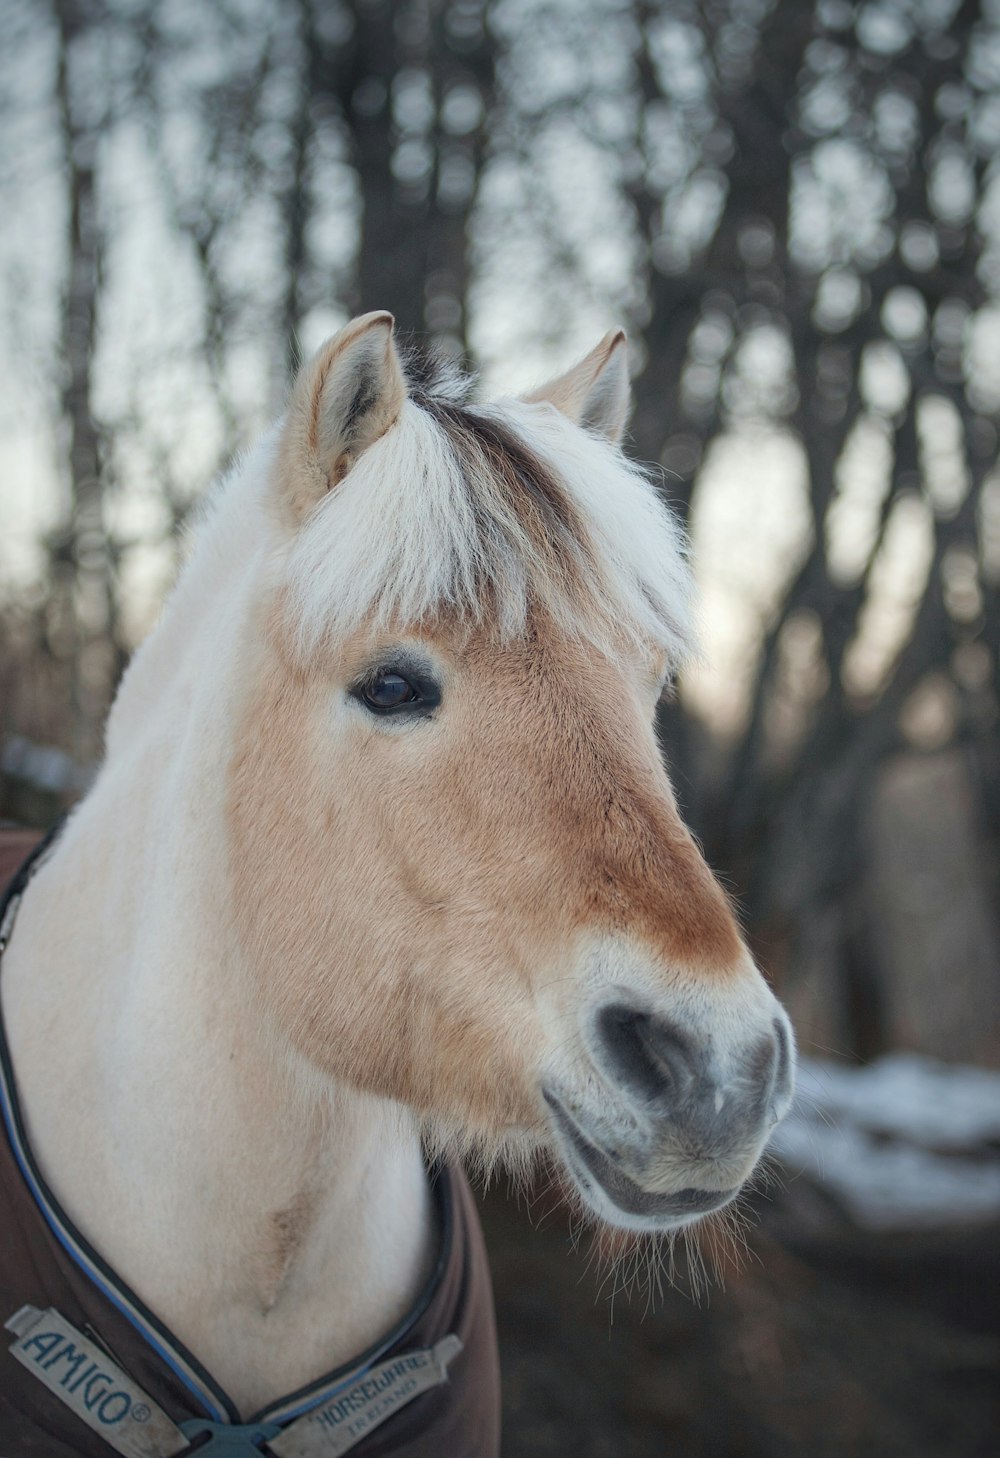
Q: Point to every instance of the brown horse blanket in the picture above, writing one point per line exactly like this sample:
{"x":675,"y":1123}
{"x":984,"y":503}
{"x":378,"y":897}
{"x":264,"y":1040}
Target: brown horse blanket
{"x":88,"y":1371}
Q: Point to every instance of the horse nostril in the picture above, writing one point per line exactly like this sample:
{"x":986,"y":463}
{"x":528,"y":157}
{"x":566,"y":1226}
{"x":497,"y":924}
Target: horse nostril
{"x":645,"y":1052}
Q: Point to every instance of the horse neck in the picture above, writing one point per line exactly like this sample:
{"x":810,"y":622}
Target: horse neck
{"x":243,"y":1195}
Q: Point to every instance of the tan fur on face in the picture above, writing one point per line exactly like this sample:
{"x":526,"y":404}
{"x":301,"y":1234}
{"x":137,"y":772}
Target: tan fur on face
{"x":406,"y":895}
{"x":418,"y":899}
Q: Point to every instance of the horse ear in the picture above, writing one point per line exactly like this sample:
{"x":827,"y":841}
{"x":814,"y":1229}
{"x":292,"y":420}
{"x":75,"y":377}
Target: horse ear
{"x":596,"y":392}
{"x":342,"y":401}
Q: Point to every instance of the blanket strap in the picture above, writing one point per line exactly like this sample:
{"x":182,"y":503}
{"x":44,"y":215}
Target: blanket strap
{"x":83,"y":1376}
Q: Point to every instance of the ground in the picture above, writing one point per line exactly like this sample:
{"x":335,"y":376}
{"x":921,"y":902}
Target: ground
{"x":825,"y":1345}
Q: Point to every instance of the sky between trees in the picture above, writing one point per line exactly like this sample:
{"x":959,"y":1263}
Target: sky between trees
{"x":792,"y":205}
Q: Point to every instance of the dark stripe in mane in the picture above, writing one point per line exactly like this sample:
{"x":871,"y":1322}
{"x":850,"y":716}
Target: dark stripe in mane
{"x":527,"y":489}
{"x":497,"y":519}
{"x":533,"y":493}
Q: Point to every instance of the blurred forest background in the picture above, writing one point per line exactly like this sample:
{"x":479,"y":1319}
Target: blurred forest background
{"x":794,"y":207}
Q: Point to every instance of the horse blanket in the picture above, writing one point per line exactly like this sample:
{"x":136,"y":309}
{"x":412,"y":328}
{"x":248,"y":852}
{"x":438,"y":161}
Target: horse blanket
{"x":88,"y":1371}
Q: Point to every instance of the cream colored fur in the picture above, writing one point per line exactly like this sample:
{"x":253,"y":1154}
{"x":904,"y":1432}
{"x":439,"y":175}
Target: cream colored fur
{"x":414,"y":535}
{"x":280,"y":938}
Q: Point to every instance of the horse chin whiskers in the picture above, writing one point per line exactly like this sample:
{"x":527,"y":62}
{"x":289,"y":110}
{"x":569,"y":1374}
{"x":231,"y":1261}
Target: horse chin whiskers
{"x":514,"y":1154}
{"x":640,"y":1265}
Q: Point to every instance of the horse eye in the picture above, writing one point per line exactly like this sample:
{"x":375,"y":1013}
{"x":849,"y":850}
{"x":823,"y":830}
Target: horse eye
{"x":406,"y":687}
{"x":388,"y":691}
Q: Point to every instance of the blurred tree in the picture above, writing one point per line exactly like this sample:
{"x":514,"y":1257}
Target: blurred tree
{"x":848,"y":158}
{"x":415,"y":84}
{"x":796,"y":205}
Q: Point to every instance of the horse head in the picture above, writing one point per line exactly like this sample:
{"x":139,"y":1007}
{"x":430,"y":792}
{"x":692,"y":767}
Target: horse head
{"x":459,"y":869}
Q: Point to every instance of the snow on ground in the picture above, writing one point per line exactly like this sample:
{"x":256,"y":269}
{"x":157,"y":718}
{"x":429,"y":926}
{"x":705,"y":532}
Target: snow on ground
{"x":43,"y":767}
{"x":904,"y":1143}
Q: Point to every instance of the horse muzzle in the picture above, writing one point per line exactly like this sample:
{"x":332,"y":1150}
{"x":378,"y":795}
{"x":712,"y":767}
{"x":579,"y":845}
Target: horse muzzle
{"x":676,"y":1119}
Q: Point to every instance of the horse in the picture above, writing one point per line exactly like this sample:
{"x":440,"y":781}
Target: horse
{"x":382,"y":871}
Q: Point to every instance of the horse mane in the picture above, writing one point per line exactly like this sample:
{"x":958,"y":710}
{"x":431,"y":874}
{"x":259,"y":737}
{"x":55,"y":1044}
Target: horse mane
{"x":491,"y":512}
